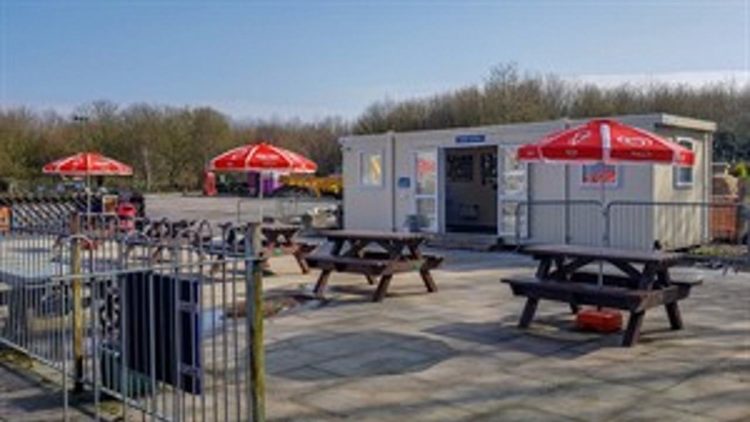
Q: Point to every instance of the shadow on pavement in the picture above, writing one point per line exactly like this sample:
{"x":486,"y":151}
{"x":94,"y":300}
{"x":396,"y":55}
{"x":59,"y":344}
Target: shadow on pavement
{"x":368,"y":353}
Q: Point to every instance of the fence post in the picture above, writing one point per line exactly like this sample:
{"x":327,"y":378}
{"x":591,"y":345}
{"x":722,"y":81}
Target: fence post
{"x":745,"y":212}
{"x":77,"y":293}
{"x":254,"y":288}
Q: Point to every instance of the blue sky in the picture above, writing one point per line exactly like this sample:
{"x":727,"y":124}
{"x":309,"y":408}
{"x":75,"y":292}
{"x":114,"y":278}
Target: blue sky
{"x":311,"y":59}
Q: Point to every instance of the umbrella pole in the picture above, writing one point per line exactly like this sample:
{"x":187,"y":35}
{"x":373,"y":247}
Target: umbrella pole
{"x":606,"y":134}
{"x":603,"y":198}
{"x":88,"y":193}
{"x":260,"y":194}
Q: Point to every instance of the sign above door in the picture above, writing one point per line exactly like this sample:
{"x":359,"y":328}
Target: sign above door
{"x":470,"y":139}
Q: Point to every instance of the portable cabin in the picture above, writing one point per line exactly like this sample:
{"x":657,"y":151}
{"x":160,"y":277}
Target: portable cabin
{"x":467,"y":182}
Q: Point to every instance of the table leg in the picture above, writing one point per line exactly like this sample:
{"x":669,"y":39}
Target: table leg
{"x":528,"y":312}
{"x":414,"y":252}
{"x":320,"y":286}
{"x":158,"y":254}
{"x":370,"y":279}
{"x":633,"y":332}
{"x":662,"y":278}
{"x":542,"y":270}
{"x":216,"y":265}
{"x":647,"y":277}
{"x":675,"y":318}
{"x":574,"y":308}
{"x":380,"y":293}
{"x":299,"y":256}
{"x":429,"y":282}
{"x":338,"y":245}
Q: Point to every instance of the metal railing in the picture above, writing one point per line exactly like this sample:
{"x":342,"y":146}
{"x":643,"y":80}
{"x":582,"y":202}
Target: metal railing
{"x":156,"y":320}
{"x":558,"y":221}
{"x":707,"y":230}
{"x":28,"y":209}
{"x":314,"y":212}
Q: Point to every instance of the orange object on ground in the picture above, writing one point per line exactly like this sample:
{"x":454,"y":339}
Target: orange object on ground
{"x":599,"y":320}
{"x":5,"y":219}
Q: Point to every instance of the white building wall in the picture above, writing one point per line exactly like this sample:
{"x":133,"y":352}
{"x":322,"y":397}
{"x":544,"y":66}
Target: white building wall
{"x":387,"y":207}
{"x":367,"y":208}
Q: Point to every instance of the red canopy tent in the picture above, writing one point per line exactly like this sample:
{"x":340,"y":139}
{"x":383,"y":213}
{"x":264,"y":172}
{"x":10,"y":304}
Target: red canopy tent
{"x":87,"y":164}
{"x":262,"y":157}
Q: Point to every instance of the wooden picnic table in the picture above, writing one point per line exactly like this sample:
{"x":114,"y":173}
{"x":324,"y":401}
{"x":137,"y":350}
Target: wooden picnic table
{"x":374,"y":254}
{"x":281,"y":238}
{"x":643,"y":282}
{"x":275,"y":238}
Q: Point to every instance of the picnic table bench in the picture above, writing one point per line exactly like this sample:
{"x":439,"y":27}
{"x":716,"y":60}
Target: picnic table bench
{"x":281,"y":237}
{"x":274,"y":238}
{"x":352,"y":252}
{"x":645,"y":283}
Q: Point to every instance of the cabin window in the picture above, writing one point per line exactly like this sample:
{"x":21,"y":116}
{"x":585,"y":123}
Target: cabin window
{"x":683,"y":175}
{"x":596,"y":175}
{"x":371,"y":169}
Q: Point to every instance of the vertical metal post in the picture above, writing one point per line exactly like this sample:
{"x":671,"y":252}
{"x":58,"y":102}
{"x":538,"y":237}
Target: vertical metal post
{"x":745,"y":215}
{"x":64,"y":340}
{"x":606,"y":215}
{"x":77,"y":292}
{"x":254,"y":288}
{"x":566,"y":204}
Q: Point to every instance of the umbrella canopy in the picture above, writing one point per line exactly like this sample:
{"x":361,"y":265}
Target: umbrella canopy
{"x":87,"y":164}
{"x":606,"y":141}
{"x":262,"y":157}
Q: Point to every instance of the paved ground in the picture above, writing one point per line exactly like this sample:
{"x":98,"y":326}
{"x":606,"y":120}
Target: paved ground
{"x":456,"y":355}
{"x":28,"y":398}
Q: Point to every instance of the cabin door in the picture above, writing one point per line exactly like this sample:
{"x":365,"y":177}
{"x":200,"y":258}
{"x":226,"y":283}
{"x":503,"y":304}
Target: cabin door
{"x":426,"y":189}
{"x":512,"y":193}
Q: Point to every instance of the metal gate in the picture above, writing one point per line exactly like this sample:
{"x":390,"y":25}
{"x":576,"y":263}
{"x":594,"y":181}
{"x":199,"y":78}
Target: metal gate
{"x":158,"y":320}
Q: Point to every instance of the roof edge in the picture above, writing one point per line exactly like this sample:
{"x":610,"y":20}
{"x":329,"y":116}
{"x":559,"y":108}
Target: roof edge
{"x":665,"y":119}
{"x":687,"y":122}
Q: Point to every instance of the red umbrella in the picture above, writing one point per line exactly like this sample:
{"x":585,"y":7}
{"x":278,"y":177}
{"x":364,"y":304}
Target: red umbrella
{"x":606,"y":141}
{"x":262,"y":157}
{"x":87,"y":164}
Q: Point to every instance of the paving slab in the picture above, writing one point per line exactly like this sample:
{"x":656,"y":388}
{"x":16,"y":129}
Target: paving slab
{"x":25,"y":397}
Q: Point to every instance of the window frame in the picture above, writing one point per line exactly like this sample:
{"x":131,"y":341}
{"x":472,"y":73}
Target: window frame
{"x":363,"y":159}
{"x":677,"y":182}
